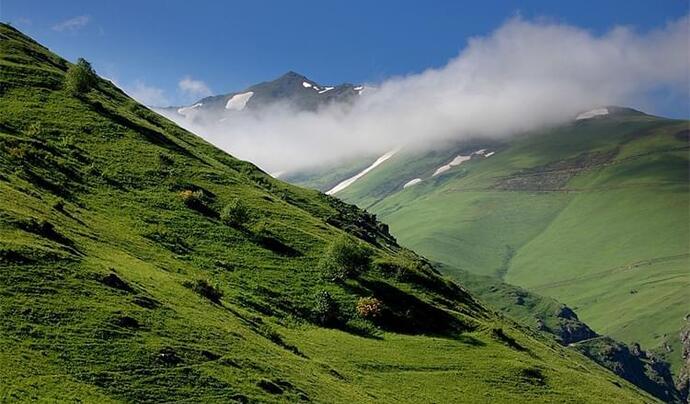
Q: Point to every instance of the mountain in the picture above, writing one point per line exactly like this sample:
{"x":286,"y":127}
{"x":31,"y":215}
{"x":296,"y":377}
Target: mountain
{"x":593,"y":213}
{"x":291,"y":88}
{"x":139,"y":263}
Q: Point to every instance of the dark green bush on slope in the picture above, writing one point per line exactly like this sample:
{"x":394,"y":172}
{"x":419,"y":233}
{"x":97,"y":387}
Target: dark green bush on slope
{"x":80,"y":77}
{"x":236,"y":214}
{"x":326,"y":309}
{"x":345,"y":259}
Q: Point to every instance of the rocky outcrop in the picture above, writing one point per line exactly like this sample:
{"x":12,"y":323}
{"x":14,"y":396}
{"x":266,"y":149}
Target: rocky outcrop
{"x":634,"y":365}
{"x":569,"y":328}
{"x":683,"y":382}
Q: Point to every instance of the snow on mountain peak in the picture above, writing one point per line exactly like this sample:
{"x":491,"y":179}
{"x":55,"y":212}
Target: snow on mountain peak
{"x":238,"y":101}
{"x":592,"y":113}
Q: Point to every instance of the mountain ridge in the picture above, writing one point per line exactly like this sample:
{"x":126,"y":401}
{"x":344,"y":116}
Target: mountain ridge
{"x":292,"y":89}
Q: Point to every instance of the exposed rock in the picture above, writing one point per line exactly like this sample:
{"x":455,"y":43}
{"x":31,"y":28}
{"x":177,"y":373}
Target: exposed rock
{"x":683,"y":382}
{"x":570,"y":329}
{"x":636,"y":350}
{"x":634,"y":365}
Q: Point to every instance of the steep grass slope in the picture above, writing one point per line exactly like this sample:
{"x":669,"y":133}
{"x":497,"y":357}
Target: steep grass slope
{"x":121,"y":280}
{"x":594,"y":214}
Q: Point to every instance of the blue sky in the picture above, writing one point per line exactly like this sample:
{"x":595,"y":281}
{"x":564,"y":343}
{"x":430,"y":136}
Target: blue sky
{"x":150,"y":46}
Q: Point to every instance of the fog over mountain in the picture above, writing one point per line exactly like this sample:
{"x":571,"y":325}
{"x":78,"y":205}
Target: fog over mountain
{"x":524,"y":75}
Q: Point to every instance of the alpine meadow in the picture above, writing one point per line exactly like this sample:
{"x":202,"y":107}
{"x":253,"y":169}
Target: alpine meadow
{"x":507,"y":221}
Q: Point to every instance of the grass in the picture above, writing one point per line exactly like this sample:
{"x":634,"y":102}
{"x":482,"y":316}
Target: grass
{"x":114,"y":288}
{"x":594,"y":214}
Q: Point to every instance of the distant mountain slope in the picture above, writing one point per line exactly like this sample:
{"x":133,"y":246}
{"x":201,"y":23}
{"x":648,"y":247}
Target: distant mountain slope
{"x":594,"y":213}
{"x":139,"y":263}
{"x":646,"y":370}
{"x":292,"y":88}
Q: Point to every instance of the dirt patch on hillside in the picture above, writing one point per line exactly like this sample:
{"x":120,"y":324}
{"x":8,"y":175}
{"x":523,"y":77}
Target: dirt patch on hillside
{"x":553,"y":176}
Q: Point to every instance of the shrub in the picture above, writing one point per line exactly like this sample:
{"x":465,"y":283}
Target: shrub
{"x":205,"y":289}
{"x":326,"y":310}
{"x":394,"y":268}
{"x":345,"y":259}
{"x":35,"y":130}
{"x":193,"y":199}
{"x":369,"y":308}
{"x":236,"y":214}
{"x":17,"y":153}
{"x":80,"y":77}
{"x":165,"y":160}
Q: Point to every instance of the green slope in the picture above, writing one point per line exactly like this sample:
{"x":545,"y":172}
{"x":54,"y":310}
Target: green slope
{"x":120,"y":282}
{"x":641,"y":368}
{"x":594,"y":214}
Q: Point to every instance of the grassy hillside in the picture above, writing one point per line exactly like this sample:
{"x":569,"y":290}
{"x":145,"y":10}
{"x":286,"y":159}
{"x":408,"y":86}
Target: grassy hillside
{"x":551,"y":317}
{"x":594,"y":214}
{"x":130,"y":274}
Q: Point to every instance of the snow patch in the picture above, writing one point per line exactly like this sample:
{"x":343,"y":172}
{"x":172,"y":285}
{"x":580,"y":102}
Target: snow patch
{"x":412,"y":182}
{"x":490,"y":154}
{"x":326,"y":89}
{"x":238,"y":101}
{"x":344,"y":184}
{"x":459,"y":159}
{"x":592,"y":113}
{"x":306,"y":85}
{"x":185,"y":110}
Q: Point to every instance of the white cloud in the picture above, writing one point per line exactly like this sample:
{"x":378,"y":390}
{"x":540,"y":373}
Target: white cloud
{"x":525,"y":75}
{"x":194,"y":88}
{"x":145,"y":94}
{"x":73,"y":24}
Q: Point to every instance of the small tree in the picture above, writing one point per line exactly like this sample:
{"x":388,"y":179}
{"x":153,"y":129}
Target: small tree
{"x":369,"y":308}
{"x":345,"y":259}
{"x":80,"y":77}
{"x":326,"y":310}
{"x":235,"y":214}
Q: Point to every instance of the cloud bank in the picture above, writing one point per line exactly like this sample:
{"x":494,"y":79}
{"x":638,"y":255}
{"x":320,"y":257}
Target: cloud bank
{"x":525,"y":75}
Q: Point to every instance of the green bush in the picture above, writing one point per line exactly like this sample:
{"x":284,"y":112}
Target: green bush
{"x":80,"y":77}
{"x":326,"y":310}
{"x":236,"y":214}
{"x":193,"y":199}
{"x":345,"y":259}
